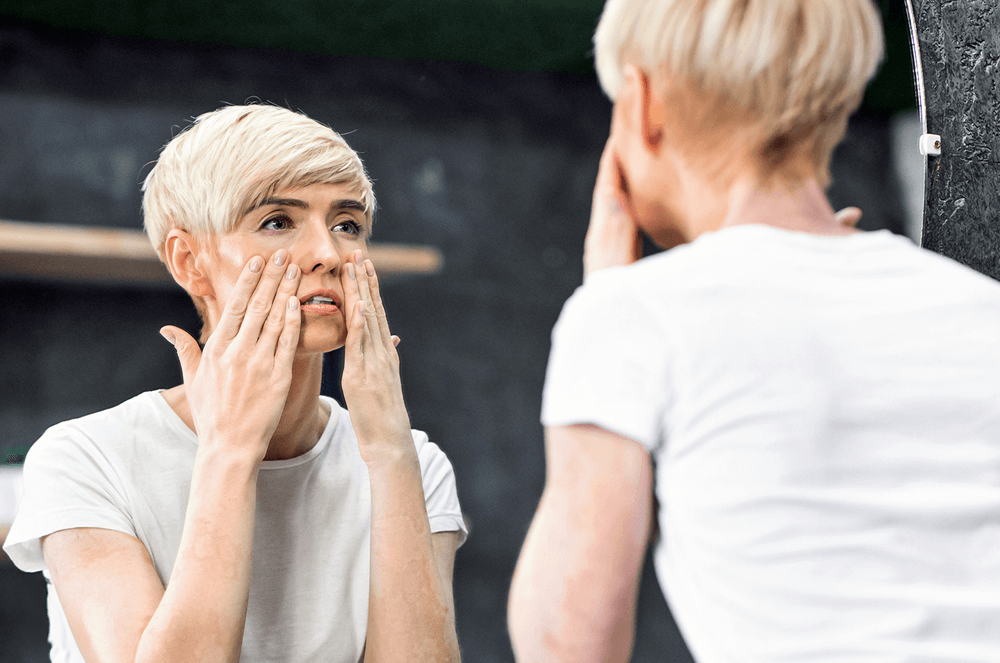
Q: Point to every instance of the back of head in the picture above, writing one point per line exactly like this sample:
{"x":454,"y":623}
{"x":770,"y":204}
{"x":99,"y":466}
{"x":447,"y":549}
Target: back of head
{"x":788,"y":71}
{"x":229,"y":160}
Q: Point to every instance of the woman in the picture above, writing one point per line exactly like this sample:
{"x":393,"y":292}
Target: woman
{"x":241,"y":515}
{"x":800,"y":419}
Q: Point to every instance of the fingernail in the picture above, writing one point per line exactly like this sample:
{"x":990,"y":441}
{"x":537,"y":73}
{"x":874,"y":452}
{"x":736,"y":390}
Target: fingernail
{"x":361,"y":307}
{"x":279,"y":258}
{"x":350,"y":270}
{"x":370,"y":268}
{"x":290,"y":272}
{"x":358,"y":257}
{"x":255,"y":265}
{"x":293,"y":303}
{"x":170,"y":337}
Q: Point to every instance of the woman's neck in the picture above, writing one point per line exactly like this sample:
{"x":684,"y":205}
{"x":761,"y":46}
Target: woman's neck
{"x":304,"y":417}
{"x":801,"y":206}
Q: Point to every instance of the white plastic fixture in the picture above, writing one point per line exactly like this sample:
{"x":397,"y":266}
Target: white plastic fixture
{"x":930,"y":145}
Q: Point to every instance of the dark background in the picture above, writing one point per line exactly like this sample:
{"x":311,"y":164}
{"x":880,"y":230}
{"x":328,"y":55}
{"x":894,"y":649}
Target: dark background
{"x":481,"y":124}
{"x":960,"y":49}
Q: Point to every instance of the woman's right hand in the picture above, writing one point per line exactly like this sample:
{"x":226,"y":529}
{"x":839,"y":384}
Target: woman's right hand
{"x":237,"y":386}
{"x":612,"y":237}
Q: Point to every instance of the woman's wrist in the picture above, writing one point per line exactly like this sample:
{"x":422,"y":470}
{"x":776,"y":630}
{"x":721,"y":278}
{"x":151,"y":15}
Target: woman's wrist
{"x":227,"y":459}
{"x":395,"y":457}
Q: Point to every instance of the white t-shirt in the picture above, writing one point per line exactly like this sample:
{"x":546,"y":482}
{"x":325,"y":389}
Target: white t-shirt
{"x":824,"y":415}
{"x":129,"y":469}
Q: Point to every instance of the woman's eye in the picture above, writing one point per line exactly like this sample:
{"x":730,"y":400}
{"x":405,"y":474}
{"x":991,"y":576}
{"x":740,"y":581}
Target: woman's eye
{"x":348,"y":227}
{"x":276,"y":223}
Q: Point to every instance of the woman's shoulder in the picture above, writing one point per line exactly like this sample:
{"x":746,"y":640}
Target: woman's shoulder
{"x":117,"y":431}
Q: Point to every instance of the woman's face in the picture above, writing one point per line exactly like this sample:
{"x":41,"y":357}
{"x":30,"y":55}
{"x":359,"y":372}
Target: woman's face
{"x":319,"y":226}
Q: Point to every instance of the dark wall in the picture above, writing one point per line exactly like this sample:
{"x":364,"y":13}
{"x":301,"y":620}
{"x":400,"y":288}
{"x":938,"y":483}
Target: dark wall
{"x":495,"y":169}
{"x":959,"y":44}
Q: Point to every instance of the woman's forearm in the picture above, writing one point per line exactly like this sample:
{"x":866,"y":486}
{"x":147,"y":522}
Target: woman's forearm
{"x":410,"y":612}
{"x":203,"y":609}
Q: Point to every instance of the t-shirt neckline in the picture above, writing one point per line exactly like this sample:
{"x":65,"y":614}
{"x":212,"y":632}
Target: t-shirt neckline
{"x":796,"y":237}
{"x":179,"y":427}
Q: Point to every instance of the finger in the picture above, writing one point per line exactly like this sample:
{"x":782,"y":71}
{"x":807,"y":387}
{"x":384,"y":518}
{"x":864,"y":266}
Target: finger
{"x":609,"y":186}
{"x":188,"y":352}
{"x":276,"y":320}
{"x":609,"y":203}
{"x":288,"y":341}
{"x":383,"y":322}
{"x":349,"y":279}
{"x":849,"y":216}
{"x":605,"y":168}
{"x":364,"y":290}
{"x":262,"y":298}
{"x":395,"y":341}
{"x":236,"y":305}
{"x":356,"y":332}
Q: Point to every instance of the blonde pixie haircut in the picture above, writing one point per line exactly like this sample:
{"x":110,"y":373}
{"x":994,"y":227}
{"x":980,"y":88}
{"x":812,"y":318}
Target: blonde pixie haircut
{"x":790,"y":71}
{"x":230,"y":160}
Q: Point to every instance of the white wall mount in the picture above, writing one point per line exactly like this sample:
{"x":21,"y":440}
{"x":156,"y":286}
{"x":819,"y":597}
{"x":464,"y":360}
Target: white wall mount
{"x":930,"y":145}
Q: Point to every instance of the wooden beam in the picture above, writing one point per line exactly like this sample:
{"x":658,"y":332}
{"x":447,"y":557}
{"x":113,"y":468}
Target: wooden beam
{"x":108,"y":254}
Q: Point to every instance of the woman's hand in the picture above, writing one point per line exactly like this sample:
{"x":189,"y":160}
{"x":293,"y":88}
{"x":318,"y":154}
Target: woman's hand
{"x":410,"y":605}
{"x":371,"y":367}
{"x":236,"y":387}
{"x":849,"y":216}
{"x":612,"y":236}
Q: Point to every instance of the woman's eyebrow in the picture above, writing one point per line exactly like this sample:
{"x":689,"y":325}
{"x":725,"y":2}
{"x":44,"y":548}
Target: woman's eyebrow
{"x":344,"y":203}
{"x":283,"y":202}
{"x":348,"y":203}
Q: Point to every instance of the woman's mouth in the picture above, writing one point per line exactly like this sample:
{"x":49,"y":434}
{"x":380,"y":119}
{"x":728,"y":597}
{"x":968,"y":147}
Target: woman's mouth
{"x":322,"y":304}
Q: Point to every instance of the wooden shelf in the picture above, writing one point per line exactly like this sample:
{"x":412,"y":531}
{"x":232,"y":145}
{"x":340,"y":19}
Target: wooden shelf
{"x":105,"y":254}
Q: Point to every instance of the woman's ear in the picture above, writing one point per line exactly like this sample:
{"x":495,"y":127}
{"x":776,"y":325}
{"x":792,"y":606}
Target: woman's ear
{"x":181,"y":253}
{"x":643,"y":108}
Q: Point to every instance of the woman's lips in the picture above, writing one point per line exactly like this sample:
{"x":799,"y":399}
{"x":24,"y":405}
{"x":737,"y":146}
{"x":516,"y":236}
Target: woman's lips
{"x":321,"y":303}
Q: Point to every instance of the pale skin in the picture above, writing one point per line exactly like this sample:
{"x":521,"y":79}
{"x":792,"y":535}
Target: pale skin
{"x":252,"y":394}
{"x":573,"y":595}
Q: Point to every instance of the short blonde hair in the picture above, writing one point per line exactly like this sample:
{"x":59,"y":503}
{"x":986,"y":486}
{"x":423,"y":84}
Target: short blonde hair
{"x":794,"y":70}
{"x":230,"y":160}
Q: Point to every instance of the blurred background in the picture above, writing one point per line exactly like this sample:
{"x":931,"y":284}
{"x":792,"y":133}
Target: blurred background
{"x":481,"y":124}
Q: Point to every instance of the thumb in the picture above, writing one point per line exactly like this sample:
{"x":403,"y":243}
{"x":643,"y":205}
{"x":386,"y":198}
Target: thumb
{"x":187,"y":348}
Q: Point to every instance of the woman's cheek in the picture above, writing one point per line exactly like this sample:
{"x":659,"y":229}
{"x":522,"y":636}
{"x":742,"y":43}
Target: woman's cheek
{"x":234,"y":254}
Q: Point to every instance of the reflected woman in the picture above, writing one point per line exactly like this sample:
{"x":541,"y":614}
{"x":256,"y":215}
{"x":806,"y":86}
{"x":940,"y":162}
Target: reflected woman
{"x":242,"y":515}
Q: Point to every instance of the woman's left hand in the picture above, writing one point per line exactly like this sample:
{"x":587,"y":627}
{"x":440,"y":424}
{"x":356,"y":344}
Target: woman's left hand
{"x":371,"y":367}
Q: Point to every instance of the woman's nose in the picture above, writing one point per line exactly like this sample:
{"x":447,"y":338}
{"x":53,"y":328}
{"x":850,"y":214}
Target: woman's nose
{"x":317,"y":249}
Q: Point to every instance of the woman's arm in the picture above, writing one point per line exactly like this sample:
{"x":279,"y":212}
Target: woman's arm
{"x":573,"y":595}
{"x":411,"y":613}
{"x":116,"y":606}
{"x":410,"y":605}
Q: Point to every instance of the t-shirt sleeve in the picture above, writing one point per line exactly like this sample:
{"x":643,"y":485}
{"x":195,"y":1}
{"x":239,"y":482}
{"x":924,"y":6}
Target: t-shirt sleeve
{"x":68,"y":483}
{"x":440,"y":490}
{"x":608,"y":365}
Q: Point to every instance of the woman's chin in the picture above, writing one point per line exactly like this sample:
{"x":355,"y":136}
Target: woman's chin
{"x":313,"y":343}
